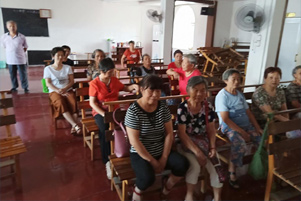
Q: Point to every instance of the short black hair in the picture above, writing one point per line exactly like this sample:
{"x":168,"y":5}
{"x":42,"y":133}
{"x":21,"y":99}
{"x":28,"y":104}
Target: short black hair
{"x":145,"y":55}
{"x":66,"y":47}
{"x":272,"y":70}
{"x":106,"y":65}
{"x":131,"y":41}
{"x":151,"y":82}
{"x":55,"y":50}
{"x":176,"y":52}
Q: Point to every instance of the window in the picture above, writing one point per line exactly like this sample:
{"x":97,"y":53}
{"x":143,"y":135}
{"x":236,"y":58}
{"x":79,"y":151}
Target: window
{"x":183,"y":34}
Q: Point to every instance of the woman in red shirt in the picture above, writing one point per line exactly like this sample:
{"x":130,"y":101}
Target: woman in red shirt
{"x":178,"y":55}
{"x":132,"y":55}
{"x":104,"y":88}
{"x":187,"y":71}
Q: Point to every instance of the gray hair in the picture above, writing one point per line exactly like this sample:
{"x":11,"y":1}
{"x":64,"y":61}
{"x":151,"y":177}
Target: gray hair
{"x":10,"y":22}
{"x":229,"y":72}
{"x":295,"y":69}
{"x":191,"y":58}
{"x":145,"y":55}
{"x":195,"y":80}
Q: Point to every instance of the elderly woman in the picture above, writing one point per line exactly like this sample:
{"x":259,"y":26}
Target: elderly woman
{"x":187,"y":71}
{"x":59,"y":80}
{"x":131,"y":55}
{"x":269,"y":98}
{"x":105,"y":87}
{"x":178,"y":55}
{"x":93,"y":70}
{"x":146,"y":69}
{"x":149,"y":127}
{"x":236,"y":121}
{"x":197,"y":133}
{"x":293,"y":91}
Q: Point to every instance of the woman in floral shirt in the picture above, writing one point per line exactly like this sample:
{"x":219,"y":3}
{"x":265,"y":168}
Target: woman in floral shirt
{"x":269,"y":98}
{"x":195,"y":119}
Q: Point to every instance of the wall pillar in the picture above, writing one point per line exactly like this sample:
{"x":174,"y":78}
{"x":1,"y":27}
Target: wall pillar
{"x":168,"y":7}
{"x":264,"y":45}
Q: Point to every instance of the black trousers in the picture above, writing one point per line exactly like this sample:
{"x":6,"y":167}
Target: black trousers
{"x":105,"y":146}
{"x":145,"y":174}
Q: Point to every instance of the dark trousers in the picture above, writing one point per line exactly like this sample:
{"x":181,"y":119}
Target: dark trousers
{"x":145,"y":174}
{"x":104,"y":145}
{"x":23,"y":75}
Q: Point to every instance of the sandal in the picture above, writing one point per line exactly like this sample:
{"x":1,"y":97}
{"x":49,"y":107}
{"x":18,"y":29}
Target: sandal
{"x":76,"y":130}
{"x":234,"y":184}
{"x":164,"y":186}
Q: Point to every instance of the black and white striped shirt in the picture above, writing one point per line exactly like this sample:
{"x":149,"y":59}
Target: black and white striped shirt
{"x":150,"y":125}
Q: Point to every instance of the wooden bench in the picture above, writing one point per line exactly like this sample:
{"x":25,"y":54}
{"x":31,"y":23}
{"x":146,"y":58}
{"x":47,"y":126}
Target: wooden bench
{"x":284,"y":158}
{"x":10,"y":147}
{"x":122,"y":173}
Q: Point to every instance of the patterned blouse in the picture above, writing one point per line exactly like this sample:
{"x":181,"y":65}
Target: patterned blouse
{"x":93,"y":71}
{"x":195,"y":123}
{"x":293,"y":93}
{"x":261,"y":98}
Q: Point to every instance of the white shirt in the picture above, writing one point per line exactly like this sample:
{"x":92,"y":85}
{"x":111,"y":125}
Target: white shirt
{"x":59,"y":78}
{"x":14,"y":48}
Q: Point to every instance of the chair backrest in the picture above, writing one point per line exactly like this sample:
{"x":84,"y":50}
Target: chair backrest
{"x":276,"y":128}
{"x":6,"y":119}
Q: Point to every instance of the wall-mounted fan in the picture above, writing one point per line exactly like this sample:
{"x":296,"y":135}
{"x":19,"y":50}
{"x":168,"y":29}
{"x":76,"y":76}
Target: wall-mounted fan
{"x":153,"y":15}
{"x":250,"y":17}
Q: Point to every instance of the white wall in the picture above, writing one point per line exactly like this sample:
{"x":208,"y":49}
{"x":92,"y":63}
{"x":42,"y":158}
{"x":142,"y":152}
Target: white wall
{"x":294,"y":6}
{"x":86,"y":25}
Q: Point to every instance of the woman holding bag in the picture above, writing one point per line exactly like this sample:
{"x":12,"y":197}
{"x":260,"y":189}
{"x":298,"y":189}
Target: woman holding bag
{"x":149,"y":127}
{"x":196,"y":130}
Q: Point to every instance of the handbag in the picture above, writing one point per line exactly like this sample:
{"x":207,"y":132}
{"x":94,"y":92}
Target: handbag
{"x":121,"y":142}
{"x":220,"y":170}
{"x":258,"y":168}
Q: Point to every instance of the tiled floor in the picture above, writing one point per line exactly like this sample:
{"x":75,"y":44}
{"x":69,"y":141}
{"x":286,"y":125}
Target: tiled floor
{"x":56,"y":166}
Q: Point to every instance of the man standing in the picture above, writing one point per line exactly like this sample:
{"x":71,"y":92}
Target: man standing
{"x":15,"y":46}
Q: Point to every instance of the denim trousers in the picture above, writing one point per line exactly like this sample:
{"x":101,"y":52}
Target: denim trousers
{"x":23,"y":75}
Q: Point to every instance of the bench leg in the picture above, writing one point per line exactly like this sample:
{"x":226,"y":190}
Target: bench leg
{"x":92,"y":145}
{"x":84,"y":135}
{"x":269,"y":183}
{"x":125,"y":190}
{"x":18,"y":172}
{"x":113,"y":175}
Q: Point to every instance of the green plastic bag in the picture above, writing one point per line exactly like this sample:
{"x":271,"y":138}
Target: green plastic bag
{"x":45,"y":88}
{"x":258,"y":168}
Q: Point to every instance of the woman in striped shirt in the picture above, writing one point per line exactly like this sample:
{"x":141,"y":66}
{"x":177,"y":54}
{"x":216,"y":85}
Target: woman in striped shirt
{"x":149,"y":127}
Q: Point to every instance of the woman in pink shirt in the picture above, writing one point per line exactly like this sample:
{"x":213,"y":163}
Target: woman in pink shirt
{"x":187,"y":71}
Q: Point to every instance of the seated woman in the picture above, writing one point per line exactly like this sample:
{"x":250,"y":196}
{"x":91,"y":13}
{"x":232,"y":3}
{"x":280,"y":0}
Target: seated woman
{"x":269,"y":98}
{"x":187,"y":71}
{"x":93,"y":69}
{"x":66,"y":60}
{"x":105,"y":87}
{"x":59,"y":80}
{"x":178,"y":55}
{"x":131,"y":55}
{"x":293,"y":91}
{"x":149,"y":127}
{"x":236,"y":121}
{"x":197,"y":133}
{"x":146,"y":69}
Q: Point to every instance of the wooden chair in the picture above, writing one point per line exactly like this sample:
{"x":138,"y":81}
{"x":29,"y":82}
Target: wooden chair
{"x":88,"y":123}
{"x":10,"y":147}
{"x":284,"y":159}
{"x":123,"y":175}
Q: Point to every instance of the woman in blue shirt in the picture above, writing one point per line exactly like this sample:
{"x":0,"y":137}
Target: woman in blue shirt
{"x":236,"y":121}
